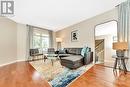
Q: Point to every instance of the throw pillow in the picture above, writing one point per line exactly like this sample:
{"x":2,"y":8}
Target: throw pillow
{"x":62,"y":51}
{"x":83,"y":51}
{"x":87,"y":50}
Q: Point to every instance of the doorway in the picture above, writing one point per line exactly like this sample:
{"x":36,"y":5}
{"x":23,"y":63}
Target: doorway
{"x":105,"y":35}
{"x":99,"y":50}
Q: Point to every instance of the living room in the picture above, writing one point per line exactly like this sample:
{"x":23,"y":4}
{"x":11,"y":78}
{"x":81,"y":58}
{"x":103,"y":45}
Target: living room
{"x":59,"y":53}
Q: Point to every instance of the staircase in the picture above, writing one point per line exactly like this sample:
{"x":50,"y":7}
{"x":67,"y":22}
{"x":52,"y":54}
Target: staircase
{"x":99,"y":50}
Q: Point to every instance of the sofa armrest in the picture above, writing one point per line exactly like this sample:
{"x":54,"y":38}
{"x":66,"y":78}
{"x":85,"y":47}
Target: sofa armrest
{"x":56,"y":52}
{"x":88,"y":59}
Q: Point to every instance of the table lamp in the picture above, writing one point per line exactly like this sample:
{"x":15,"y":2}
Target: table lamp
{"x":120,"y":48}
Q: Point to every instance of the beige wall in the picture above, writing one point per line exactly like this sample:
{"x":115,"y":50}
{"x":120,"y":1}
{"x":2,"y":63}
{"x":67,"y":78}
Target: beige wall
{"x":86,"y":30}
{"x":13,"y":41}
{"x":8,"y":41}
{"x":21,"y":41}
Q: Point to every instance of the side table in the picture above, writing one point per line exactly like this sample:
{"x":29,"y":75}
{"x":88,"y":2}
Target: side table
{"x":120,"y":61}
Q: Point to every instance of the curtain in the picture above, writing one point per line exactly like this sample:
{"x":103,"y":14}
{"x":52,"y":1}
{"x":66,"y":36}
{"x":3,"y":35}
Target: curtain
{"x":47,"y":32}
{"x":124,"y":25}
{"x":30,"y":32}
{"x":51,"y":38}
{"x":124,"y":21}
{"x":29,"y":40}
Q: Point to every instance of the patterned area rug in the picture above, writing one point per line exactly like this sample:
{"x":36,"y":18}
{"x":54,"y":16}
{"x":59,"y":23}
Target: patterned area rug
{"x":46,"y":69}
{"x":57,"y":75}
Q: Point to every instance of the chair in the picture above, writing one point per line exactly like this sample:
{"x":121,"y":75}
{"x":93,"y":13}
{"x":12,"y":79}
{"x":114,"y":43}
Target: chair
{"x":50,"y":51}
{"x":35,"y":53}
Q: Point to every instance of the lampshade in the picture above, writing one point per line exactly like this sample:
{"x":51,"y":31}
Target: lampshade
{"x":120,"y":46}
{"x":58,"y":40}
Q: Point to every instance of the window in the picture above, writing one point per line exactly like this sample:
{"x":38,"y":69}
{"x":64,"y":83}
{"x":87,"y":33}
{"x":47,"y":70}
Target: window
{"x":40,"y":40}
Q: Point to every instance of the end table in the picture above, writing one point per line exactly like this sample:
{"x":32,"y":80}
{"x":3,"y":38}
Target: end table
{"x":120,"y":61}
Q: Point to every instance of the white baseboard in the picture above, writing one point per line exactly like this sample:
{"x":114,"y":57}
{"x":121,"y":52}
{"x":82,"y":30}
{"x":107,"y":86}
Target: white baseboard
{"x":20,"y":60}
{"x":110,"y":61}
{"x":8,"y":63}
{"x":11,"y":62}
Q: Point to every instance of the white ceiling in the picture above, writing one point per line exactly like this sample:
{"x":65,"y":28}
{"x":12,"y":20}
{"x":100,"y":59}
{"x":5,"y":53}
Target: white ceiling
{"x":58,"y":14}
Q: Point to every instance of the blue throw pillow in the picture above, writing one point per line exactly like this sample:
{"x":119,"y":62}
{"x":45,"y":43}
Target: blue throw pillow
{"x":83,"y":51}
{"x":87,"y":50}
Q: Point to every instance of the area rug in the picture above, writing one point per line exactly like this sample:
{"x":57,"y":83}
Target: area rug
{"x":46,"y":69}
{"x":67,"y":76}
{"x":57,"y":75}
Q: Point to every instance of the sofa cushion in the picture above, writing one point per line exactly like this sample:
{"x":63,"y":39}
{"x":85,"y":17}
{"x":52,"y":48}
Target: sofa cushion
{"x":64,"y":55}
{"x":76,"y":51}
{"x":62,"y":51}
{"x":72,"y":51}
{"x":73,"y":58}
{"x":72,"y":62}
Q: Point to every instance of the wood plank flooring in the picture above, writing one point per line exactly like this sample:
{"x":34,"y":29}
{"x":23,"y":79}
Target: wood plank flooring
{"x":100,"y":76}
{"x":21,"y":74}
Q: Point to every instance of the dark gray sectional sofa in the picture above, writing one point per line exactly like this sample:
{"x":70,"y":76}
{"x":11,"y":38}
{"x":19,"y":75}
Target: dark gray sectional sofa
{"x":73,"y":58}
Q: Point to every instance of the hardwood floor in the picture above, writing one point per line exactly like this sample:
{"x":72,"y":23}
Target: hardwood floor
{"x":100,"y":76}
{"x":21,"y":74}
{"x":107,"y":64}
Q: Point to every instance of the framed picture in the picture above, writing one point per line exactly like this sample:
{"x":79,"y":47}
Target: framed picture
{"x":74,"y":35}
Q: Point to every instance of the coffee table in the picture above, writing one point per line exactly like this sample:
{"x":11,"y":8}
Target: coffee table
{"x":52,"y":57}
